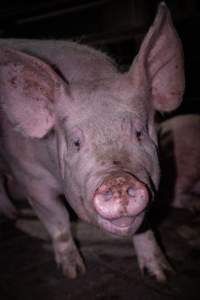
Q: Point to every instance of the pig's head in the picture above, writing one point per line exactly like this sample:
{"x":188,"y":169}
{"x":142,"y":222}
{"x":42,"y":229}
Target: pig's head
{"x":107,"y":146}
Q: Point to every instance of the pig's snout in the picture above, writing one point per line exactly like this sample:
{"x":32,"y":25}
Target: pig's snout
{"x":120,"y":196}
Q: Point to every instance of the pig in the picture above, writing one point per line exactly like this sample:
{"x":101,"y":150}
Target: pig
{"x":179,"y":142}
{"x":72,"y":124}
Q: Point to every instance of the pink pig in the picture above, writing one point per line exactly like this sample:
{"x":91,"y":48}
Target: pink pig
{"x":180,"y":161}
{"x":73,"y":125}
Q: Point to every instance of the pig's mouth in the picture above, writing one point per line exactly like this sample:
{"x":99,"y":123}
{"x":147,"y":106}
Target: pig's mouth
{"x":121,"y":226}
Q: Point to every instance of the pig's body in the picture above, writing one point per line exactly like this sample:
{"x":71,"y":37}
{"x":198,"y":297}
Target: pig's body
{"x":73,"y":125}
{"x":69,"y":58}
{"x":179,"y":141}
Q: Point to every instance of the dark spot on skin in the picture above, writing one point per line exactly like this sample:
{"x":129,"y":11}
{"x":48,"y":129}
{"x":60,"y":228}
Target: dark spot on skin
{"x":176,"y":93}
{"x":116,"y":162}
{"x":13,"y":81}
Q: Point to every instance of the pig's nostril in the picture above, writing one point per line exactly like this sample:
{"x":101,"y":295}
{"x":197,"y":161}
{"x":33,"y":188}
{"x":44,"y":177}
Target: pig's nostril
{"x":131,"y":192}
{"x":108,"y":195}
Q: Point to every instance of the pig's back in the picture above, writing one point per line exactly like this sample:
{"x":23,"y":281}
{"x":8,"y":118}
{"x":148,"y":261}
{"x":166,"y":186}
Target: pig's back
{"x":180,"y":159}
{"x":183,"y":133}
{"x":74,"y":61}
{"x":181,"y":123}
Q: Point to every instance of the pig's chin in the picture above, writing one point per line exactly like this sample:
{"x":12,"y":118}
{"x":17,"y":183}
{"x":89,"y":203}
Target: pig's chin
{"x":122,"y":226}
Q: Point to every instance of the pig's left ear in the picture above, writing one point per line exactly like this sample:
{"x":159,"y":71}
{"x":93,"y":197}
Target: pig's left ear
{"x":159,"y":63}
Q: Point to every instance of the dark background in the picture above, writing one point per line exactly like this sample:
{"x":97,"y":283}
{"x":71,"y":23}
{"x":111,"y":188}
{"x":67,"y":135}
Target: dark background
{"x":115,"y":26}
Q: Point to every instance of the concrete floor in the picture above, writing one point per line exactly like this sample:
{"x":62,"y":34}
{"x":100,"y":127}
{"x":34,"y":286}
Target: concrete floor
{"x":28,"y":270}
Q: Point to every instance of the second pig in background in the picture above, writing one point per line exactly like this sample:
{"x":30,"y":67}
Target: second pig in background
{"x":179,"y":141}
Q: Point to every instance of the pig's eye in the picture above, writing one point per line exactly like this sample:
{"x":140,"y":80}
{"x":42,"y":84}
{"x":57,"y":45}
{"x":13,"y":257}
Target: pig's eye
{"x":139,"y":135}
{"x":139,"y":129}
{"x":77,"y":139}
{"x":77,"y":144}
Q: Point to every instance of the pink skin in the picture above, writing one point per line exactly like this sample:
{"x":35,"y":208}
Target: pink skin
{"x":86,"y":132}
{"x":180,"y":155}
{"x":120,"y":202}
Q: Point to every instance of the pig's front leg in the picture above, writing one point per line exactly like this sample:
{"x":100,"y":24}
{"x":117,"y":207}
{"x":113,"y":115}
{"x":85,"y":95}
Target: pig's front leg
{"x":55,"y":217}
{"x":150,"y":256}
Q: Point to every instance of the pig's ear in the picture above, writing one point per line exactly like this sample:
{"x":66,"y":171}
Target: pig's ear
{"x":28,"y":89}
{"x":159,"y":63}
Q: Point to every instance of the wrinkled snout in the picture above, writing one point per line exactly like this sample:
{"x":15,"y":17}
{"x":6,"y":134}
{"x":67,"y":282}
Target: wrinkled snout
{"x":121,"y":196}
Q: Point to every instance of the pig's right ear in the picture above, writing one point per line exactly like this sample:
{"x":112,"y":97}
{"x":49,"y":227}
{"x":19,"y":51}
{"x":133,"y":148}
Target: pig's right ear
{"x":158,"y":67}
{"x":29,"y":89}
